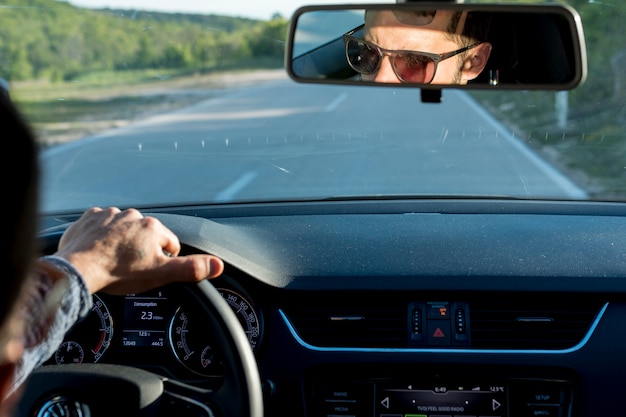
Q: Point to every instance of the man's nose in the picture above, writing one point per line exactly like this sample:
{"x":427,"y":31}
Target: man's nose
{"x":386,"y":73}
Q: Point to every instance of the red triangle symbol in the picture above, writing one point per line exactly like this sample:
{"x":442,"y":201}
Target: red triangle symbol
{"x":438,"y":333}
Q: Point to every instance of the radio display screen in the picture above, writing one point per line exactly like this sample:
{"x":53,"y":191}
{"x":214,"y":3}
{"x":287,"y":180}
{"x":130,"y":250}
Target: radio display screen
{"x":436,"y":395}
{"x":441,"y":400}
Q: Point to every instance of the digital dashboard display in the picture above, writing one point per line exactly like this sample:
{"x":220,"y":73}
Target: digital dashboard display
{"x":442,"y":400}
{"x":145,"y":320}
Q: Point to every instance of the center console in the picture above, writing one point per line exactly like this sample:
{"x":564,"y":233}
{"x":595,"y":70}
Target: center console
{"x":420,"y":394}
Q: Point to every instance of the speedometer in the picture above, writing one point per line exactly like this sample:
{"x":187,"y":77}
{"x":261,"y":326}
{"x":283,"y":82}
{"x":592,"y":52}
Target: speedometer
{"x":192,"y":342}
{"x":245,"y":313}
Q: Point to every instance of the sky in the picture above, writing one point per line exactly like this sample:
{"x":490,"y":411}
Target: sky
{"x":257,"y":9}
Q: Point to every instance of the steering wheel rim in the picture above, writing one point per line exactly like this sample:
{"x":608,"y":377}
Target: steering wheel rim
{"x":239,"y":395}
{"x":241,"y":372}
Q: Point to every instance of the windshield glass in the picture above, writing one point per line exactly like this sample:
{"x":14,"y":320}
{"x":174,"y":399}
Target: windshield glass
{"x":139,"y":106}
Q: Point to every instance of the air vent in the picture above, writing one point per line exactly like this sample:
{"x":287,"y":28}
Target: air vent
{"x":527,"y":323}
{"x":523,"y":323}
{"x":366,"y":327}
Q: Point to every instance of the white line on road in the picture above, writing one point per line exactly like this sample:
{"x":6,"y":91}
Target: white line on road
{"x":233,"y":189}
{"x":573,"y":190}
{"x":336,"y":102}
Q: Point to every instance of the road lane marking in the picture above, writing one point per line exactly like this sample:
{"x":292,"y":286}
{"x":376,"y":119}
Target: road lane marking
{"x":567,"y":185}
{"x":336,"y":102}
{"x":233,"y":189}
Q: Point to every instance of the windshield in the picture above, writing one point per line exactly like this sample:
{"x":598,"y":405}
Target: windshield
{"x":139,"y":106}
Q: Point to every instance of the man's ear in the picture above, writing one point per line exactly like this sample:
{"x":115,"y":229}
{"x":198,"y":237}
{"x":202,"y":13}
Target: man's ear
{"x":476,"y":61}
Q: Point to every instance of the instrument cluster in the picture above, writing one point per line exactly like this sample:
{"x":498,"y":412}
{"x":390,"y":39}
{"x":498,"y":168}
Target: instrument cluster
{"x":162,"y":330}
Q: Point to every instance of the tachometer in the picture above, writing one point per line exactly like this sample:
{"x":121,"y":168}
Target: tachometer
{"x":91,"y":337}
{"x":190,"y":337}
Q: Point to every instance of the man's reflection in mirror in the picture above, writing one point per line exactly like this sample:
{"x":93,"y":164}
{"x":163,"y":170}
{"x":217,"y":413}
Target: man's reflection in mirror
{"x":433,"y":47}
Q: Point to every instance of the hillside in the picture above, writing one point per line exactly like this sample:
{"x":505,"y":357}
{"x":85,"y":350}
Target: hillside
{"x":35,"y":43}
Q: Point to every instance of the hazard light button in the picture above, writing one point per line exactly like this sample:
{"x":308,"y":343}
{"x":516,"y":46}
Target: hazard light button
{"x":438,"y":324}
{"x":439,"y":333}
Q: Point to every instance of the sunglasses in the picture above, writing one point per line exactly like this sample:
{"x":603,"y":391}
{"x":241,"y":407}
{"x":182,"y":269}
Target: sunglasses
{"x":409,"y":66}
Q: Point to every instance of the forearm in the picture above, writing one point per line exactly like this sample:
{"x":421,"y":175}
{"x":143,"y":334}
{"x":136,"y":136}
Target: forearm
{"x":75,"y":304}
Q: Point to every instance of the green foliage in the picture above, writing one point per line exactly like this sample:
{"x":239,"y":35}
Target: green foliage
{"x":269,"y":39}
{"x":592,"y":146}
{"x":53,"y":40}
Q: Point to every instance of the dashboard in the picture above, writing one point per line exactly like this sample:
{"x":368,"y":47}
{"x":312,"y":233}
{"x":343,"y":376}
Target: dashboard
{"x":160,"y":331}
{"x":392,"y":308}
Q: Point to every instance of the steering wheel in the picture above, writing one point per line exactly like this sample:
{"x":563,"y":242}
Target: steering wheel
{"x":92,"y":390}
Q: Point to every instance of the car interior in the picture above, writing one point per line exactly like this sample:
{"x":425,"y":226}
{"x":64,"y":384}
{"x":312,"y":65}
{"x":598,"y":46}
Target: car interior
{"x":372,"y":306}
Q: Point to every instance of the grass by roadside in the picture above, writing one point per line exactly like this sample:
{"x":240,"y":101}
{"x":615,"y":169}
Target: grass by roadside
{"x":66,"y":111}
{"x":590,"y":148}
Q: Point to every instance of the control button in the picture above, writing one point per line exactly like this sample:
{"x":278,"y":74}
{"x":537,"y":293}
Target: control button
{"x":545,"y":396}
{"x":385,"y":402}
{"x":341,"y":408}
{"x":343,"y":399}
{"x":417,"y":321}
{"x":459,"y":321}
{"x":495,"y":404}
{"x":438,"y":310}
{"x":438,"y":333}
{"x":544,"y":411}
{"x":342,"y":392}
{"x":541,"y":397}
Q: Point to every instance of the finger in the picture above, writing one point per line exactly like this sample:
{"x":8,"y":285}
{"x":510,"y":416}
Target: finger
{"x":170,"y":243}
{"x":129,"y":214}
{"x":166,"y":238}
{"x":107,"y":213}
{"x":192,"y":268}
{"x":86,"y":216}
{"x":91,"y":218}
{"x":96,"y":217}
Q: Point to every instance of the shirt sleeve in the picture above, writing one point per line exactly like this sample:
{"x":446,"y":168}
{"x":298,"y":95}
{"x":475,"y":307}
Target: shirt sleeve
{"x":75,"y":305}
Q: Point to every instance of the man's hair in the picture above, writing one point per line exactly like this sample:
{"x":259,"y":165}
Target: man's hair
{"x":475,"y":28}
{"x":17,"y":232}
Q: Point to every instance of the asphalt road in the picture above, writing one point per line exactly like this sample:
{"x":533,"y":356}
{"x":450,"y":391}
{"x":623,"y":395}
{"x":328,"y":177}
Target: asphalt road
{"x":282,"y":140}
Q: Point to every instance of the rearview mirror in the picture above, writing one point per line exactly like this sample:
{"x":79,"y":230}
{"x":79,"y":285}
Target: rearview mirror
{"x":434,"y":45}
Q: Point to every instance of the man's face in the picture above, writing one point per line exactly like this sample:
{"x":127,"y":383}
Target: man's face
{"x":385,"y":30}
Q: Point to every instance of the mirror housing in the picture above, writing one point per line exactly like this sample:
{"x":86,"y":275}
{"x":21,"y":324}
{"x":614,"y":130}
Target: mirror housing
{"x":530,"y":47}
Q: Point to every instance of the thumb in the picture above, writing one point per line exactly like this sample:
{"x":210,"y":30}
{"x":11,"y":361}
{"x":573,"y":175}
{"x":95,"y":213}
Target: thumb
{"x":193,"y":268}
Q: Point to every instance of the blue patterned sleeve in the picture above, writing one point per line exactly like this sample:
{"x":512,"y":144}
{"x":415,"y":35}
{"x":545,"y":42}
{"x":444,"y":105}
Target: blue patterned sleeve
{"x":75,"y":305}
